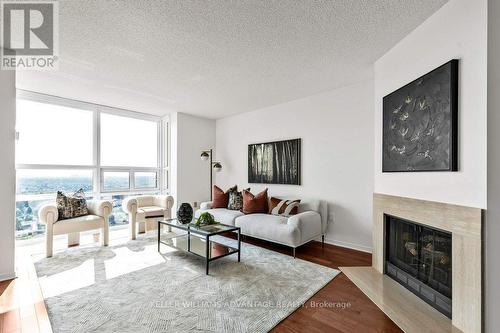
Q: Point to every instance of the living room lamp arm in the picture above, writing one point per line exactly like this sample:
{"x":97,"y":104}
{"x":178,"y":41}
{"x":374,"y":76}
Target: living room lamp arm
{"x":211,"y":175}
{"x":214,"y":165}
{"x":204,"y":154}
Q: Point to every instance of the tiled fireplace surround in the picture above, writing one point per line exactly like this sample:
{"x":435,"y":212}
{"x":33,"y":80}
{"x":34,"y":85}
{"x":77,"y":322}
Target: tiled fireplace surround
{"x":465,"y":225}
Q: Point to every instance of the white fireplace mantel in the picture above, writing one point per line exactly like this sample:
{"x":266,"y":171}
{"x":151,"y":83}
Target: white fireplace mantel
{"x":465,"y":226}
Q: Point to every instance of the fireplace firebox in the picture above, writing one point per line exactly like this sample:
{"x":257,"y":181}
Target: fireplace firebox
{"x":419,"y":258}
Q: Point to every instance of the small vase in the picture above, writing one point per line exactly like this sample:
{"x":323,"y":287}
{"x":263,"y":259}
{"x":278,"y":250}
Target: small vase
{"x":185,"y":213}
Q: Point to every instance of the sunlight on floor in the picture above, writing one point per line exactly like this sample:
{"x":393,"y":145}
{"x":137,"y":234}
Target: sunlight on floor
{"x":122,"y":261}
{"x":68,"y":280}
{"x":127,"y":261}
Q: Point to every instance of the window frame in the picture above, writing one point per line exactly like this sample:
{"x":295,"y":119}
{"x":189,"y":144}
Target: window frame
{"x":97,"y":170}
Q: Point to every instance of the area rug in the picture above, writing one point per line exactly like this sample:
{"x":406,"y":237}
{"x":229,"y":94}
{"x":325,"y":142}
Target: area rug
{"x":133,"y":288}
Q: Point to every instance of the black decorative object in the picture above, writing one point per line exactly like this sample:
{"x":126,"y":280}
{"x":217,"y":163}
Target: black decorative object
{"x":274,"y":162}
{"x":420,"y":126}
{"x":185,"y":213}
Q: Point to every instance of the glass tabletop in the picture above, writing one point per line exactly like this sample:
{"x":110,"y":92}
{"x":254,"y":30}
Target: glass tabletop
{"x":211,"y":229}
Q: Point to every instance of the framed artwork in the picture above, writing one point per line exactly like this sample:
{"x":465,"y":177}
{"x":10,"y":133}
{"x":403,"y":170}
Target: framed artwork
{"x":420,"y":123}
{"x":274,"y":162}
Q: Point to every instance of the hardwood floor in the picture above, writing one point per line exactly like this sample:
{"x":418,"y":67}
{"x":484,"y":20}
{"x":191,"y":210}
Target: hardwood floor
{"x":347,"y":308}
{"x":338,"y":307}
{"x":22,"y":309}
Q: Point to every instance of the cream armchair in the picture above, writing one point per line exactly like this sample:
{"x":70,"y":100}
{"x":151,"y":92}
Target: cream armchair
{"x":146,"y":210}
{"x":99,"y":211}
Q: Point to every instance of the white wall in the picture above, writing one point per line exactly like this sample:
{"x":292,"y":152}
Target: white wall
{"x":457,"y":30}
{"x":336,"y":129}
{"x":190,"y":176}
{"x":492,"y":230}
{"x":7,"y":172}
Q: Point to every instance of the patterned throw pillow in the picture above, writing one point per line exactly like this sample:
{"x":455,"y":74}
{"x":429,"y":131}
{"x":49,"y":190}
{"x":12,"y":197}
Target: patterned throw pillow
{"x":236,"y":200}
{"x":70,"y":206}
{"x":283,"y":207}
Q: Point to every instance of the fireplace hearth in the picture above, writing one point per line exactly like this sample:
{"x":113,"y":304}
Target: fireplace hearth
{"x":419,"y":258}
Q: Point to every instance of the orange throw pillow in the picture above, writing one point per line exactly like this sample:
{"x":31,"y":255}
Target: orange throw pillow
{"x":253,"y":204}
{"x":221,"y":199}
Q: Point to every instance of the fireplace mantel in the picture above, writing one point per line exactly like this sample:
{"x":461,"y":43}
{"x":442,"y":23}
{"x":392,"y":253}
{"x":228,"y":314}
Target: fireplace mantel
{"x":465,"y":226}
{"x":464,"y":223}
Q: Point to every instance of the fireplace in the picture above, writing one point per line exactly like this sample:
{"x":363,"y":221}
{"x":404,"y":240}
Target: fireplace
{"x":419,"y":258}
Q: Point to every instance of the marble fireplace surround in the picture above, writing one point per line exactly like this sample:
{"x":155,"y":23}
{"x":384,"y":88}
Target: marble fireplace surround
{"x":465,"y":225}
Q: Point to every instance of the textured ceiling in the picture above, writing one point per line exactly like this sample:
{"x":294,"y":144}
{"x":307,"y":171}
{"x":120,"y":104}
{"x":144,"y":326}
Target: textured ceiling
{"x":217,"y":58}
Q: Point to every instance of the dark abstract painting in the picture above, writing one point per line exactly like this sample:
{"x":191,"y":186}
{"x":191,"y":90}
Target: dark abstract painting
{"x":420,"y":123}
{"x":274,"y":162}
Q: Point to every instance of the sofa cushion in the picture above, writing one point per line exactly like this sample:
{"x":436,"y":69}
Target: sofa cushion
{"x":269,"y":227}
{"x":283,"y":207}
{"x":149,"y":211}
{"x":222,"y":215}
{"x":221,"y":198}
{"x":77,"y":224}
{"x":253,"y":204}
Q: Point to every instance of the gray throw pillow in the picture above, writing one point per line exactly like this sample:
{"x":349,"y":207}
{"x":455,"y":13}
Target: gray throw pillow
{"x":70,"y":206}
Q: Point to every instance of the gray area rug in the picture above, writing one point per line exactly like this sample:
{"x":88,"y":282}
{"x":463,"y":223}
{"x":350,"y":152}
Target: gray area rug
{"x":133,"y":288}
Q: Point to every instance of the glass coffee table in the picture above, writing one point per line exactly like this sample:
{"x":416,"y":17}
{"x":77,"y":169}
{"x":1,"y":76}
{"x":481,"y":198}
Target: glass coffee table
{"x":196,"y":240}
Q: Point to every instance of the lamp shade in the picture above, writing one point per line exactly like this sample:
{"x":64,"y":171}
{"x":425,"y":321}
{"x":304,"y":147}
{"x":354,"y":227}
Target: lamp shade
{"x":204,"y":156}
{"x":217,"y":166}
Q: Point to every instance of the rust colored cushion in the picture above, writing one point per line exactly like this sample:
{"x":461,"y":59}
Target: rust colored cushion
{"x":283,"y":207}
{"x":221,"y":198}
{"x":253,"y":204}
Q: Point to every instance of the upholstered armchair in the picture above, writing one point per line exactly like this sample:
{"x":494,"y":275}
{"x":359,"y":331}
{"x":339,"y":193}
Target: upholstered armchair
{"x":99,"y":211}
{"x":144,"y":211}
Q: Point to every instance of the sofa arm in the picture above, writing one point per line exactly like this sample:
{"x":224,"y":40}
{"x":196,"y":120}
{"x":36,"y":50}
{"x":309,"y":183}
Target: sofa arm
{"x":100,"y":207}
{"x":206,"y":205}
{"x":300,"y":219}
{"x":164,"y":201}
{"x":308,"y":223}
{"x":129,"y":205}
{"x":48,"y":214}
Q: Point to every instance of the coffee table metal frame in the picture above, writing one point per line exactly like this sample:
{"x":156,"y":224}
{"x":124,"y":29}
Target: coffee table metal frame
{"x":199,"y":232}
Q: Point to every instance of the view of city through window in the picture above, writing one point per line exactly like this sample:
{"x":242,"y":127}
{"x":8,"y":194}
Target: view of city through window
{"x":35,"y":182}
{"x":51,"y":171}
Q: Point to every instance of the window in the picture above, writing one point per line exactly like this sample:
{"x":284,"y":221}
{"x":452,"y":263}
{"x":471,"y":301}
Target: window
{"x":145,"y":180}
{"x":27,"y":225}
{"x":118,"y":216}
{"x":115,"y":181}
{"x":65,"y":145}
{"x":166,"y":155}
{"x":128,"y":141}
{"x":53,"y":134}
{"x":49,"y":181}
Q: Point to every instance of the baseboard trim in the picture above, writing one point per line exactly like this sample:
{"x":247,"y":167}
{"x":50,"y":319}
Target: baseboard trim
{"x":7,"y":276}
{"x":348,"y":245}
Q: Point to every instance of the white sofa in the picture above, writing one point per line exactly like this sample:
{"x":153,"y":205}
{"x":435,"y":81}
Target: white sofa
{"x":310,"y":223}
{"x":99,"y":211}
{"x":146,"y":210}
